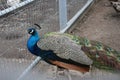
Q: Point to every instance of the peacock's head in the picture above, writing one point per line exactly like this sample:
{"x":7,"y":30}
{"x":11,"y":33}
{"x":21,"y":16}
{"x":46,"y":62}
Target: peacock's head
{"x":32,"y":31}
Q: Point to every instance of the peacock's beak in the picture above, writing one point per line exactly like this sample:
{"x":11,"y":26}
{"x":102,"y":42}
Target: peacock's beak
{"x":32,"y":30}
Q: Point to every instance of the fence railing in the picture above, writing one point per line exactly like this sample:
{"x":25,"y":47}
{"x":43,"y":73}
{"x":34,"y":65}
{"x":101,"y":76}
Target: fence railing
{"x":64,"y":23}
{"x":12,"y":5}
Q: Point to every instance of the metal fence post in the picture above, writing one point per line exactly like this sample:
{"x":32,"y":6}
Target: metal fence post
{"x":62,"y":14}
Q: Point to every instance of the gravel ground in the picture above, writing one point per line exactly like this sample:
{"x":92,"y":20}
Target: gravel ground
{"x":102,"y":24}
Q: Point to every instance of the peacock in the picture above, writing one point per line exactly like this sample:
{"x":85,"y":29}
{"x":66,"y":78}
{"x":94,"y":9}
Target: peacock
{"x":116,"y":5}
{"x":72,"y":52}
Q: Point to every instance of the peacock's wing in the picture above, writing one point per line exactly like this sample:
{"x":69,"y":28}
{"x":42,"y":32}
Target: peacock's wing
{"x":65,"y":47}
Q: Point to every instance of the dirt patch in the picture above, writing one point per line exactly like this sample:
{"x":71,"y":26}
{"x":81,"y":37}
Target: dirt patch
{"x":102,"y":24}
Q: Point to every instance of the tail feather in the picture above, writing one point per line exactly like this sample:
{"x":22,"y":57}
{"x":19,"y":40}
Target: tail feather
{"x":101,"y":59}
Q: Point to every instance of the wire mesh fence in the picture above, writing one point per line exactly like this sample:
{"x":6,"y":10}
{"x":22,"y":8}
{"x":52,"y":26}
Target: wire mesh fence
{"x":14,"y":24}
{"x":14,"y":57}
{"x":13,"y":53}
{"x":73,"y":6}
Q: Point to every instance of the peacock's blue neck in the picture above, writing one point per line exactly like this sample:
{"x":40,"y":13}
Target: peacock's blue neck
{"x":34,"y":49}
{"x":32,"y":44}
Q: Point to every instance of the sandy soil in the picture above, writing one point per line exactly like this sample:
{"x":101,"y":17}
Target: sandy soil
{"x":102,"y":24}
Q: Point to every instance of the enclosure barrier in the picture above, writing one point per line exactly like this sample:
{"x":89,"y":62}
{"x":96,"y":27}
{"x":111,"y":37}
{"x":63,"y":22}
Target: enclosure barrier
{"x":74,"y":18}
{"x":64,"y":25}
{"x":16,"y":6}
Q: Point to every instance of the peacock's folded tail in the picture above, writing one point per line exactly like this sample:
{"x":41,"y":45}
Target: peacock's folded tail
{"x":81,"y":50}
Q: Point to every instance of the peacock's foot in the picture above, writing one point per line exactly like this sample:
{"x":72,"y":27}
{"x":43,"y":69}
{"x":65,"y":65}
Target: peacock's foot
{"x":58,"y":72}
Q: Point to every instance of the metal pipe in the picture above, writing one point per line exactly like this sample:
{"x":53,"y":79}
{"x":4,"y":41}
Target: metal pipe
{"x":79,"y":13}
{"x":3,"y":12}
{"x":32,"y":65}
{"x":62,"y":13}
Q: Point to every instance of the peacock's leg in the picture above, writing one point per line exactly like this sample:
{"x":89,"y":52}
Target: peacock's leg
{"x":57,"y":72}
{"x":60,"y":71}
{"x":67,"y":72}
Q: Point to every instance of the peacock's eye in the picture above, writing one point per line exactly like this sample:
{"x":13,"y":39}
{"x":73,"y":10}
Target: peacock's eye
{"x":31,"y":31}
